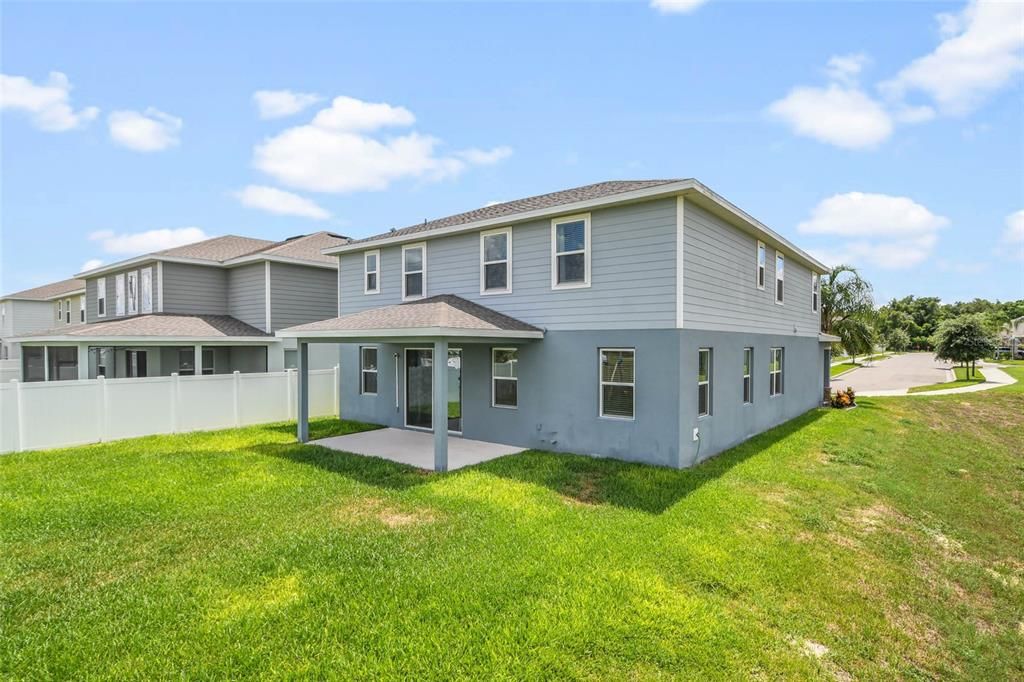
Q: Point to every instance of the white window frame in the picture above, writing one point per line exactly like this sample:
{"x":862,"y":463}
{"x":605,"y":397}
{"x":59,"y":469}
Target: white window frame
{"x":507,"y":260}
{"x":423,"y":271}
{"x":363,"y":371}
{"x":146,"y":290}
{"x":495,"y":379}
{"x":748,"y":376}
{"x":780,"y":371}
{"x":602,"y":383}
{"x":376,"y":271}
{"x":761,"y":269}
{"x":585,"y":217}
{"x":132,"y":300}
{"x":67,"y":311}
{"x":119,"y":294}
{"x":101,"y":297}
{"x":60,"y":310}
{"x":815,"y":292}
{"x":780,"y":278}
{"x":707,"y":382}
{"x":81,"y":308}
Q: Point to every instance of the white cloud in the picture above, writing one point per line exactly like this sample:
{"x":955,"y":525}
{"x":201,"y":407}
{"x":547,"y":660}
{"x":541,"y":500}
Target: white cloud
{"x":148,"y":131}
{"x":962,"y":268}
{"x":676,"y":6}
{"x":335,"y":153}
{"x":1014,"y":232}
{"x":846,"y":68}
{"x":90,"y":264}
{"x":281,"y":103}
{"x":278,"y":201}
{"x":881,"y":230}
{"x":837,"y":114}
{"x":150,"y":240}
{"x":982,"y":51}
{"x":47,"y":104}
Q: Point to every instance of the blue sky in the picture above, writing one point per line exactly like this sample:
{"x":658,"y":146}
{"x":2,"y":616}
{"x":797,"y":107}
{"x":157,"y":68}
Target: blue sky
{"x":886,"y":134}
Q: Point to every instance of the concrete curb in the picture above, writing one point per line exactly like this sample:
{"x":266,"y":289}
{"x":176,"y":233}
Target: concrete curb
{"x":994,"y":378}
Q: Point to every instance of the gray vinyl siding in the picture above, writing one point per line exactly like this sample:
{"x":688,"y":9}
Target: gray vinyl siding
{"x":300,"y":294}
{"x":195,"y":289}
{"x":633,"y":278}
{"x":247,"y":294}
{"x":34,"y":316}
{"x":91,"y":288}
{"x":720,"y":282}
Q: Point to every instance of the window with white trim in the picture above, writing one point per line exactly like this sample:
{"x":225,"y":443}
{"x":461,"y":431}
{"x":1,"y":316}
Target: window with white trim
{"x":414,"y":271}
{"x":780,"y":272}
{"x":67,"y":311}
{"x":101,"y":297}
{"x":60,"y":311}
{"x":617,"y":382}
{"x":147,"y":290}
{"x":371,"y":272}
{"x":775,"y":369}
{"x":815,"y":291}
{"x":504,"y":377}
{"x":762,"y":264}
{"x":748,"y":376}
{"x":133,"y":293}
{"x":368,"y":370}
{"x":570,"y":252}
{"x":496,"y":261}
{"x":704,"y":382}
{"x":81,"y":308}
{"x":119,"y":294}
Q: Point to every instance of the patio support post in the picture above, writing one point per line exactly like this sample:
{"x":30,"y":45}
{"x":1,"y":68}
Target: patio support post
{"x":198,"y":353}
{"x":440,"y":410}
{"x":303,"y":411}
{"x":83,"y":361}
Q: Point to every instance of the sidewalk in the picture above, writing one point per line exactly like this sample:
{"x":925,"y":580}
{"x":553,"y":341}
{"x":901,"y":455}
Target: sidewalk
{"x":994,"y":377}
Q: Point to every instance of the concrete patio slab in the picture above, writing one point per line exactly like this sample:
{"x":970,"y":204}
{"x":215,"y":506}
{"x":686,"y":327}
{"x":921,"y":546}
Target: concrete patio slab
{"x":416,"y":448}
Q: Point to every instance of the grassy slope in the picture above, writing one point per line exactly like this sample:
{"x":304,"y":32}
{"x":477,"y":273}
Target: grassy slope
{"x":845,"y":367}
{"x":892,"y":534}
{"x":961,"y":380}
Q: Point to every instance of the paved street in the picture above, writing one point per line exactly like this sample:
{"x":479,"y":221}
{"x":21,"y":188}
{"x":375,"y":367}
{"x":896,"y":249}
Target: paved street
{"x":896,"y":373}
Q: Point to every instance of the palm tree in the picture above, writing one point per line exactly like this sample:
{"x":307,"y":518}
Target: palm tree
{"x":848,"y":310}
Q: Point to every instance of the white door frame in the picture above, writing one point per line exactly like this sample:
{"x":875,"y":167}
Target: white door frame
{"x":405,"y":392}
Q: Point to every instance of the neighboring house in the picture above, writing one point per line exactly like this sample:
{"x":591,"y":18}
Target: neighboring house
{"x":647,"y":320}
{"x":1011,"y":336}
{"x":61,"y":304}
{"x":211,"y":307}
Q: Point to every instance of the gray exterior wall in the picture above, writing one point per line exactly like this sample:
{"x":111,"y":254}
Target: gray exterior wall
{"x":111,"y":287}
{"x":247,"y":290}
{"x":300,"y":294}
{"x":720,"y":282}
{"x":25,"y":317}
{"x":195,"y":289}
{"x":633,"y":279}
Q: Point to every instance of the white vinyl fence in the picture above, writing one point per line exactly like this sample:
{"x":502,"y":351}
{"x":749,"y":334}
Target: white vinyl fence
{"x":10,"y":369}
{"x":55,"y":414}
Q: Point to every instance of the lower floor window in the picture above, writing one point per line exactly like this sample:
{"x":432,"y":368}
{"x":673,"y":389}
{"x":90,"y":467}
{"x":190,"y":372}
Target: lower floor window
{"x":617,"y":382}
{"x":504,"y":377}
{"x":748,"y":375}
{"x":775,"y":370}
{"x":703,"y":382}
{"x":368,"y":370}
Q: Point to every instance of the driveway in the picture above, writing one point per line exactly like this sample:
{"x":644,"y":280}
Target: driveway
{"x":897,"y":373}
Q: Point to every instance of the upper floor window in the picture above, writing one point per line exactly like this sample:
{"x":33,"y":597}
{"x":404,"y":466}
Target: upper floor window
{"x":81,"y":308}
{"x":133,"y":293}
{"x":414,"y":271}
{"x":504,"y":377}
{"x":570,"y":252}
{"x":60,"y":311}
{"x":703,"y":382}
{"x":101,"y":297}
{"x":496,"y":261}
{"x":780,"y":271}
{"x":618,"y":382}
{"x":119,"y":294}
{"x":368,"y":370}
{"x":775,"y":369}
{"x":67,"y":311}
{"x":762,"y":262}
{"x":748,"y":375}
{"x":371,"y":272}
{"x":147,"y":290}
{"x":815,"y":291}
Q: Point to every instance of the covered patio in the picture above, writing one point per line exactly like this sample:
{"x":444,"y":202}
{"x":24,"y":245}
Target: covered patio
{"x":433,"y":324}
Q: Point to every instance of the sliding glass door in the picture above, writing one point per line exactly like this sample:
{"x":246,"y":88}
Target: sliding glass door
{"x":419,"y":388}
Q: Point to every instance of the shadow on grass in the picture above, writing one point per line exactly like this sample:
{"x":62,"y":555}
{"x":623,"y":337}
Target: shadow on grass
{"x":588,"y":480}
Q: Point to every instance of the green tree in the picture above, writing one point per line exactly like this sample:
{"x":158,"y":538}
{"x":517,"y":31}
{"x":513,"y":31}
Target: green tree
{"x":847,"y":309}
{"x":897,"y":340}
{"x":919,"y":317}
{"x":963,"y":339}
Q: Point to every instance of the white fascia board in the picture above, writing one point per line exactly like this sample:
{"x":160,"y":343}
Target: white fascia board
{"x":55,"y":297}
{"x":256,"y":258}
{"x":828,"y":338}
{"x":150,"y":340}
{"x":149,"y":258}
{"x":418,"y":332}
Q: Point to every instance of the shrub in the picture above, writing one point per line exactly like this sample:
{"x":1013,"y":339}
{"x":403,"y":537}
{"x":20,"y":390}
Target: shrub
{"x":844,"y":399}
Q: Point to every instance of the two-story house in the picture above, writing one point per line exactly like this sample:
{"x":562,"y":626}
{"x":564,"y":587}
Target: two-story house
{"x":644,"y":320}
{"x":60,"y":304}
{"x":210,"y":307}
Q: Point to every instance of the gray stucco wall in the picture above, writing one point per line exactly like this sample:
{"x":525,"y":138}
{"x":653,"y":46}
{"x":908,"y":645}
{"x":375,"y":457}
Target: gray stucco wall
{"x":195,"y":289}
{"x":247,"y":294}
{"x":301,"y":294}
{"x":111,"y":287}
{"x":720,"y":286}
{"x":632,"y":281}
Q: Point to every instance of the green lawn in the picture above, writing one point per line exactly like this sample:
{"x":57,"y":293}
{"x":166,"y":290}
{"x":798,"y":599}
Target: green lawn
{"x":844,"y":367}
{"x":961,"y":380}
{"x":882,"y":542}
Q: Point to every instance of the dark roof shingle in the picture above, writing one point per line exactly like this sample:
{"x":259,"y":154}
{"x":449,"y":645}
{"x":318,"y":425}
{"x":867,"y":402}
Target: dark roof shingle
{"x":48,"y":291}
{"x":157,"y":325}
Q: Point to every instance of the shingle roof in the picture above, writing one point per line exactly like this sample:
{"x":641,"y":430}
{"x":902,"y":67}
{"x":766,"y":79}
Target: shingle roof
{"x":442,"y":311}
{"x":218,"y":249}
{"x":307,"y":247}
{"x":48,"y":291}
{"x":541,"y":201}
{"x":184,"y":326}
